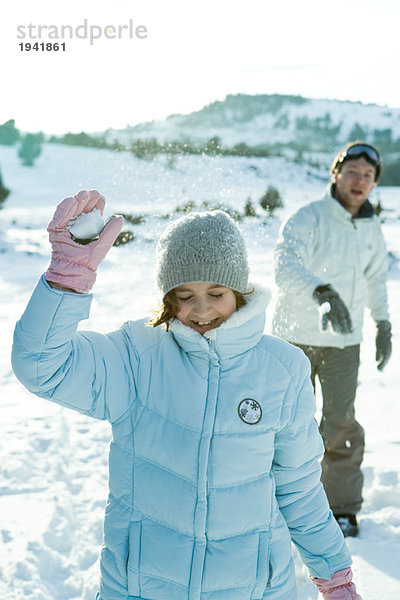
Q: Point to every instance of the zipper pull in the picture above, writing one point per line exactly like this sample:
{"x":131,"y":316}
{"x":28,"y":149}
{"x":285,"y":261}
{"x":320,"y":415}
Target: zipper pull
{"x":213,"y":349}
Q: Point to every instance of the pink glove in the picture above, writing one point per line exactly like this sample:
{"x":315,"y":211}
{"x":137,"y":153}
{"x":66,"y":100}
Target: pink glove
{"x":74,"y":265}
{"x":340,"y":587}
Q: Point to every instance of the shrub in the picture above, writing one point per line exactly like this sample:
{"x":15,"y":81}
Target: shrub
{"x":3,"y":191}
{"x":123,"y":238}
{"x":133,"y":219}
{"x":249,"y":209}
{"x":213,"y":146}
{"x":187,"y":207}
{"x":240,"y":149}
{"x":30,"y":148}
{"x":390,"y":173}
{"x":190,"y":206}
{"x":8,"y":133}
{"x":146,"y":149}
{"x":378,"y":207}
{"x":271,"y":200}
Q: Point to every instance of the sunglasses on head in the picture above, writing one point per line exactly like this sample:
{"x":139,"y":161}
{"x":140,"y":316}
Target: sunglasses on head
{"x":359,"y":150}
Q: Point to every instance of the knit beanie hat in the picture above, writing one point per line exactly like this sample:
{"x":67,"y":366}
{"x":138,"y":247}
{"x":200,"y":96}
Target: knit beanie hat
{"x":202,"y":246}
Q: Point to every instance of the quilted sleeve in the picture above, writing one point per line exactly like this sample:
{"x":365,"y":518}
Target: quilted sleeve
{"x":86,"y":371}
{"x":376,"y":276}
{"x":293,"y":252}
{"x":299,"y":492}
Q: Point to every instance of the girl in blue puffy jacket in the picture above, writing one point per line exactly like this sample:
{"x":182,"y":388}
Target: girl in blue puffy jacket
{"x":214,"y":458}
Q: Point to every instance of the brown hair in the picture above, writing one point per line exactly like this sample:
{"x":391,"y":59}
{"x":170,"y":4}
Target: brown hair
{"x":337,"y":163}
{"x":170,"y":307}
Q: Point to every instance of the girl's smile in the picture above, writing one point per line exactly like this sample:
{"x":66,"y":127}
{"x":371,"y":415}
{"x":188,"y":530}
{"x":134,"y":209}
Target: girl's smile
{"x":203,"y":305}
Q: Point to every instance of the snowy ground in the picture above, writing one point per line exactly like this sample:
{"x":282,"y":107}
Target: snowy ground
{"x":53,"y":462}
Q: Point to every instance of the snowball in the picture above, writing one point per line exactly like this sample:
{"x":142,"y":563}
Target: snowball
{"x":86,"y":225}
{"x":325,"y":324}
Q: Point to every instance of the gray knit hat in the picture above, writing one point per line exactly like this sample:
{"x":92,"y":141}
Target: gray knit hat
{"x":202,"y":246}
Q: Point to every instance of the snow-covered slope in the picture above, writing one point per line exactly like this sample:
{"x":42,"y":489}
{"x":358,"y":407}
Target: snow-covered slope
{"x":53,"y":462}
{"x":273,"y":120}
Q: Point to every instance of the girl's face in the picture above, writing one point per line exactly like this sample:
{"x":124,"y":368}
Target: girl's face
{"x":204,"y":306}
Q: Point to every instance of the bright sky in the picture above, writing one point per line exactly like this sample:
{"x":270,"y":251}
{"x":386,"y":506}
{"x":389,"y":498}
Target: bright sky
{"x":194,"y":53}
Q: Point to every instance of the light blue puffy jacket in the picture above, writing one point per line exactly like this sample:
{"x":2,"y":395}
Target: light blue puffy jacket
{"x":214,"y":454}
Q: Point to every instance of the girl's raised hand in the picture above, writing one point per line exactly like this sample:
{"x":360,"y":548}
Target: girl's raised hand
{"x":73,"y":266}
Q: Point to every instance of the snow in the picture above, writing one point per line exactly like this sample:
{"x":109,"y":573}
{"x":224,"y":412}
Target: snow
{"x":53,"y":462}
{"x":278,"y":127}
{"x":324,"y":323}
{"x":86,"y":225}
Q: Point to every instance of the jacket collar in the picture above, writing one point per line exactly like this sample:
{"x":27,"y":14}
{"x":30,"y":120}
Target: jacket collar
{"x":366,"y":210}
{"x":236,"y":335}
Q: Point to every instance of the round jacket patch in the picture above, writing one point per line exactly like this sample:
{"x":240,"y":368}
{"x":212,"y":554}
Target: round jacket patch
{"x":250,"y":411}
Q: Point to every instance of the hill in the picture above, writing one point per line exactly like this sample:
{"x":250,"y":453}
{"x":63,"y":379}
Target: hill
{"x":302,"y":129}
{"x":277,"y":121}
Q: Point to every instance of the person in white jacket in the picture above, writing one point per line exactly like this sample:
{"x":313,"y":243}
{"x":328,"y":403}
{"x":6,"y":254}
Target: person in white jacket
{"x":331,"y":262}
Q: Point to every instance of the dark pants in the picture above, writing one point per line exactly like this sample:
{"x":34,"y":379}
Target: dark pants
{"x":337,"y":370}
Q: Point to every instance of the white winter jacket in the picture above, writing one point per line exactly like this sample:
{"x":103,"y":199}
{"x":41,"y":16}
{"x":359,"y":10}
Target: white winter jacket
{"x":319,"y":244}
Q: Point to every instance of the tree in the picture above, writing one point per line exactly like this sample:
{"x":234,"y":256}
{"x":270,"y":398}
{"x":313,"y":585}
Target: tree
{"x":249,"y":209}
{"x":357,"y":133}
{"x":213,"y":146}
{"x":3,"y":191}
{"x":145,"y":148}
{"x":390,"y":173}
{"x":271,"y":200}
{"x":383,"y":137}
{"x":83,"y":139}
{"x":30,"y":148}
{"x":241,"y":149}
{"x":8,"y":133}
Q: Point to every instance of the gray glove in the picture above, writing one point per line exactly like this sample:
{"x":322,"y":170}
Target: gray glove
{"x":338,"y":314}
{"x":383,"y":342}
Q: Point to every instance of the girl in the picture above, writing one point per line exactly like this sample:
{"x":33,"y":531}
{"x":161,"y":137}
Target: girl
{"x":214,"y":455}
